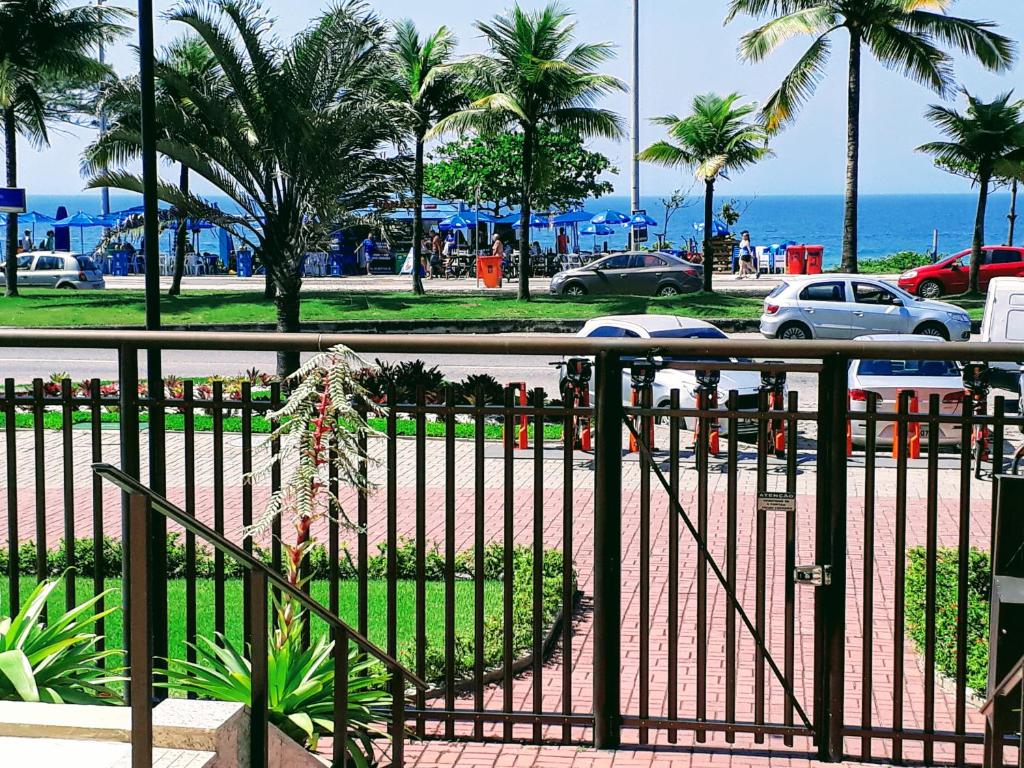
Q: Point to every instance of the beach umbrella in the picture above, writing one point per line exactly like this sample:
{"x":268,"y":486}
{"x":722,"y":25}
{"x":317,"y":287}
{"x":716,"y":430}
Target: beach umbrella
{"x":574,"y":217}
{"x":611,"y":218}
{"x":465,"y":220}
{"x":643,"y":220}
{"x":81,"y":220}
{"x":597,"y":230}
{"x":718,"y":228}
{"x":33,"y":218}
{"x":536,"y":222}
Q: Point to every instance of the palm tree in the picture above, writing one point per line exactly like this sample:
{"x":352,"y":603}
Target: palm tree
{"x":294,"y":134}
{"x":44,"y":46}
{"x":419,"y":78}
{"x":902,"y":34}
{"x":714,"y":140}
{"x":535,"y":76}
{"x":187,"y":58}
{"x":986,"y":140}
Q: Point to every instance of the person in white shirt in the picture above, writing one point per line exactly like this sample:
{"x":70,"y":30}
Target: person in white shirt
{"x":26,"y":241}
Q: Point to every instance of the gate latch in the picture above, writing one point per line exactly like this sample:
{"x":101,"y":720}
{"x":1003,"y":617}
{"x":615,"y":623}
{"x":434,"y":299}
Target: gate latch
{"x":813,"y":575}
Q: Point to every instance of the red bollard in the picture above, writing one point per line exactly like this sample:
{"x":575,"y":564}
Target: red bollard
{"x":522,"y":433}
{"x":913,"y":434}
{"x":778,"y":425}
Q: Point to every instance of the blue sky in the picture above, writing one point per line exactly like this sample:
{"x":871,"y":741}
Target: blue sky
{"x":685,"y":49}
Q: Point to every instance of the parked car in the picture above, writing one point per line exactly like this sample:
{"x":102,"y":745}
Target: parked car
{"x":887,"y":377}
{"x":633,"y":273}
{"x":50,"y":269}
{"x":950,"y":276}
{"x":1004,"y":323}
{"x":848,"y":306}
{"x":746,"y":383}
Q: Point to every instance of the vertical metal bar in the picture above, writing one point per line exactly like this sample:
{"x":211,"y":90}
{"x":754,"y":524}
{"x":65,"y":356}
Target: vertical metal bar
{"x":275,"y":483}
{"x":13,"y":538}
{"x":568,"y":588}
{"x":673,"y":564}
{"x":508,"y":647}
{"x":449,"y":557}
{"x":644,"y":423}
{"x":731,"y":535}
{"x":191,"y":630}
{"x":38,"y":414}
{"x":397,"y":718}
{"x":67,"y":414}
{"x":703,"y":471}
{"x":157,"y":444}
{"x":140,"y":640}
{"x":790,"y":591}
{"x":963,"y":574}
{"x":363,"y":547}
{"x":761,"y":569}
{"x":392,"y":527}
{"x":931,"y":555}
{"x":340,"y":750}
{"x":868,"y":575}
{"x":259,"y":709}
{"x":333,"y":530}
{"x":996,"y":449}
{"x":478,"y":562}
{"x":538,"y":560}
{"x":607,"y":551}
{"x":899,"y":565}
{"x":128,"y":388}
{"x":247,"y":597}
{"x":421,"y":550}
{"x":98,"y":565}
{"x":218,"y":505}
{"x":830,"y":601}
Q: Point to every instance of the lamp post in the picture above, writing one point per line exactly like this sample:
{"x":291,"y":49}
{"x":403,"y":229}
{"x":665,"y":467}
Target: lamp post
{"x":635,"y":129}
{"x":104,"y":191}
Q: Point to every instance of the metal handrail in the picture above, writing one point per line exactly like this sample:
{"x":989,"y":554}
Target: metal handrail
{"x":167,"y":509}
{"x":1013,"y":680}
{"x":498,"y":345}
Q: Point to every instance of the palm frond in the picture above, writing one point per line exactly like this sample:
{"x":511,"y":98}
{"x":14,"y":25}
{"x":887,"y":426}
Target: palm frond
{"x":797,"y":87}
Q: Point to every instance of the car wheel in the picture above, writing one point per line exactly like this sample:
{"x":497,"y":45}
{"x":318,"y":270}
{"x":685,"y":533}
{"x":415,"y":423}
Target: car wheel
{"x":67,"y":286}
{"x":794,"y":332}
{"x":930,"y":289}
{"x":574,"y":289}
{"x":932,"y":329}
{"x":668,"y":290}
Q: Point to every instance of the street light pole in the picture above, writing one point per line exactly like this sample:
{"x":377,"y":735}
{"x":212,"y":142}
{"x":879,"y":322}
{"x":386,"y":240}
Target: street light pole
{"x":635,"y":130}
{"x":104,"y":191}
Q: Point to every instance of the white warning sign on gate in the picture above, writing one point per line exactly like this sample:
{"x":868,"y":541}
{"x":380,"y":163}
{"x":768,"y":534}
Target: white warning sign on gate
{"x":770,"y":501}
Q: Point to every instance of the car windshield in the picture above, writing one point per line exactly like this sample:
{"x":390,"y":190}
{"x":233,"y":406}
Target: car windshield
{"x":910,"y":368}
{"x":84,"y":262}
{"x":692,"y":333}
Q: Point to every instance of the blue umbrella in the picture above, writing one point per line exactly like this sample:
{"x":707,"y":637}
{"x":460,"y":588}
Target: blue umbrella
{"x":81,"y":220}
{"x":465,"y":220}
{"x":536,"y":222}
{"x":643,"y":220}
{"x":718,"y":228}
{"x":597,"y":230}
{"x":33,"y":218}
{"x":574,"y":217}
{"x":610,"y":218}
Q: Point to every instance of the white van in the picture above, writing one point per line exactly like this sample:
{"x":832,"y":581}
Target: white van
{"x":1004,"y":323}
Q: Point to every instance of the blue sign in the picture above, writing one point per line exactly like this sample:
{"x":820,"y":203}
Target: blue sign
{"x":12,"y":200}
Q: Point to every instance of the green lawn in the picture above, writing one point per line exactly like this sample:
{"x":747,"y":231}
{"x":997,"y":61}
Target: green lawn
{"x":377,"y":613}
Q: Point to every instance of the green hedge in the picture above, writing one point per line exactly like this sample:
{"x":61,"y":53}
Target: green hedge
{"x":894,"y":263}
{"x":947,"y":565}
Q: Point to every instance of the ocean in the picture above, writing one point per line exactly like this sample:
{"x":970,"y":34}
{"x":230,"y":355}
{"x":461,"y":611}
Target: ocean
{"x":888,"y":223}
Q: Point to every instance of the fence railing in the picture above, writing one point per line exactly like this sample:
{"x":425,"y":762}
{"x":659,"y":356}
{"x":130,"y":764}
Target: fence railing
{"x":587,"y":557}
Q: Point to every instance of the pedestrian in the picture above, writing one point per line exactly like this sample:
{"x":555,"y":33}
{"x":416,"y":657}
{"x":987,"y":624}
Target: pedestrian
{"x":26,"y":241}
{"x":562,"y":242}
{"x":369,"y":246}
{"x":497,"y":247}
{"x":436,"y":245}
{"x":746,"y":256}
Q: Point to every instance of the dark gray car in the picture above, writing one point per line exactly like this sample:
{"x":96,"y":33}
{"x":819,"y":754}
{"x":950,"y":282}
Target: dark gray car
{"x":635,"y":273}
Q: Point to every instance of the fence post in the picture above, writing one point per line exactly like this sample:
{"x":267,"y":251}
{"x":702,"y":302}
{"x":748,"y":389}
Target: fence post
{"x":128,"y":390}
{"x":607,"y":550}
{"x":139,"y":642}
{"x":830,"y":549}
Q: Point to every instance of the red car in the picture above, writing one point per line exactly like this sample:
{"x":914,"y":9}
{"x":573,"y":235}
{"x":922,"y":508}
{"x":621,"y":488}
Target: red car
{"x":950,"y":275}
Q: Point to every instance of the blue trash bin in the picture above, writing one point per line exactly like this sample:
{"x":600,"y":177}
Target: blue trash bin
{"x":244,"y":264}
{"x":336,"y":265}
{"x":119,"y":264}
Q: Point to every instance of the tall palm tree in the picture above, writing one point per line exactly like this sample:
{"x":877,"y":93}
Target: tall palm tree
{"x":419,"y":78}
{"x":44,"y":45}
{"x":906,"y":35}
{"x":294,"y":135}
{"x":714,"y":140}
{"x":536,"y":76}
{"x":187,"y":58}
{"x":989,"y":137}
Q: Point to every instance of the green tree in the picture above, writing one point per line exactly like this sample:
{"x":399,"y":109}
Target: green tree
{"x":45,"y":48}
{"x":906,"y":35}
{"x":535,"y":75}
{"x":491,"y":166}
{"x":294,"y":137}
{"x":989,"y":136}
{"x":420,"y":79}
{"x":186,"y":59}
{"x":716,"y":139}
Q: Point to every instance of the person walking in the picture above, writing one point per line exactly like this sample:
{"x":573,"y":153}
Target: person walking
{"x":497,"y":247}
{"x":562,"y":242}
{"x":369,"y":246}
{"x":746,"y":257}
{"x":26,"y":241}
{"x":48,"y":243}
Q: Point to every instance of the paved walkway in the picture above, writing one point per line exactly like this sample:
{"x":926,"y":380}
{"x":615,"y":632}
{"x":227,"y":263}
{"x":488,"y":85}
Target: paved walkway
{"x":879,"y":629}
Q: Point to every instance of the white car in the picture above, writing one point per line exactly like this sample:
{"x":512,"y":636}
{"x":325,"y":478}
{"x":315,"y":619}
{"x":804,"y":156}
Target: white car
{"x":746,"y":383}
{"x":848,"y":306}
{"x":887,"y":377}
{"x":55,"y":269}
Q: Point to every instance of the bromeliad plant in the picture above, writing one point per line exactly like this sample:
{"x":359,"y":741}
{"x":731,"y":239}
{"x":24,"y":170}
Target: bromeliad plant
{"x":55,"y":662}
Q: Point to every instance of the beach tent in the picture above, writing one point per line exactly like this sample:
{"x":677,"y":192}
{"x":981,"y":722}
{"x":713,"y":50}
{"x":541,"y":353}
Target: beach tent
{"x":82,"y":221}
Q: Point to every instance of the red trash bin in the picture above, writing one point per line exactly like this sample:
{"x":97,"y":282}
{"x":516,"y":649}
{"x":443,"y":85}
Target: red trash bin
{"x":815,"y":259}
{"x":796,"y":260}
{"x":488,"y":269}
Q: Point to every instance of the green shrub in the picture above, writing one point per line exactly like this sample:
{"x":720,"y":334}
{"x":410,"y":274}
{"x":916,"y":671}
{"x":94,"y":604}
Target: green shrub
{"x":946,"y":571}
{"x":895,"y":263}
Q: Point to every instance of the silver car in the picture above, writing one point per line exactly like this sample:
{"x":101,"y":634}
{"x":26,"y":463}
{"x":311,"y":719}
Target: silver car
{"x":53,"y":269}
{"x":637,"y":273}
{"x":848,"y":306}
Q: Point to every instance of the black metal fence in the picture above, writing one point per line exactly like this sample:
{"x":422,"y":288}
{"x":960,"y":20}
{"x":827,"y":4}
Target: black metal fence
{"x":678,"y":559}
